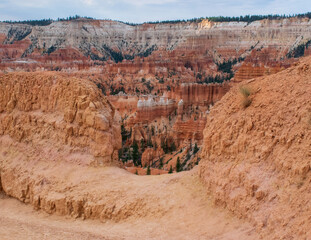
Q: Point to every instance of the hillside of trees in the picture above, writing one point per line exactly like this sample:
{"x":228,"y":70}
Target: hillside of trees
{"x":246,"y":18}
{"x":45,"y":22}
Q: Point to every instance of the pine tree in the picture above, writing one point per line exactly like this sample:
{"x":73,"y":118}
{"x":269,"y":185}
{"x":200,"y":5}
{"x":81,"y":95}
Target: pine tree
{"x":142,"y":145}
{"x":173,"y":147}
{"x":161,"y":162}
{"x":178,"y":165}
{"x":148,"y":170}
{"x":171,"y":170}
{"x":196,"y":149}
{"x":135,"y":154}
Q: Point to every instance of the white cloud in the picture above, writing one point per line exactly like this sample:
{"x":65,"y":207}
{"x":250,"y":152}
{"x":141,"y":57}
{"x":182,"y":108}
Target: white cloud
{"x":88,"y":2}
{"x":31,"y":3}
{"x":149,"y":2}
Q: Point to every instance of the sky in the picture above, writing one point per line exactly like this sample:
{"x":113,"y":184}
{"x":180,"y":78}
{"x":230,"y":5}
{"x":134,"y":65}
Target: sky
{"x":138,"y":11}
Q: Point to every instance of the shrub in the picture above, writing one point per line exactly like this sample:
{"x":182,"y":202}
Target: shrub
{"x":171,"y":170}
{"x":246,"y":102}
{"x":246,"y":92}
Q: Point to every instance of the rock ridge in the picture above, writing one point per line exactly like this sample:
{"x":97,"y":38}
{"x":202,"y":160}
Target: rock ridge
{"x":256,"y":159}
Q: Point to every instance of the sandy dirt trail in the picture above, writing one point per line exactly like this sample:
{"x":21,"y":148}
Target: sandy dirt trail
{"x":190,"y":216}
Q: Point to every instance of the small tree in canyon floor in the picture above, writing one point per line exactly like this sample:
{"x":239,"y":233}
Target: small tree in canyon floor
{"x":178,"y":165}
{"x":148,"y":170}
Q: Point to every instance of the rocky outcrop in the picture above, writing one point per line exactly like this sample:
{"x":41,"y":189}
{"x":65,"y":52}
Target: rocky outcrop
{"x":49,"y":123}
{"x":256,"y":153}
{"x":47,"y":108}
{"x":199,"y":94}
{"x":191,"y":129}
{"x":148,"y":110}
{"x":125,"y":105}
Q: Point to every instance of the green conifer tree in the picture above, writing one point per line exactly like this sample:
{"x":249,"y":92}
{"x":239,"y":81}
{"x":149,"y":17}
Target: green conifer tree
{"x":178,"y":165}
{"x":171,"y":170}
{"x":148,"y":170}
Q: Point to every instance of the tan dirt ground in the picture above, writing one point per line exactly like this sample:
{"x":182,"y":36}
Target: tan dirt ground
{"x":190,"y":214}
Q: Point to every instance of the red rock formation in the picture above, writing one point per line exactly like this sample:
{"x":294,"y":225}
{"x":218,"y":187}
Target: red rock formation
{"x":163,"y":119}
{"x":262,"y":62}
{"x":2,"y":38}
{"x":126,"y":105}
{"x":148,"y":110}
{"x":189,"y":129}
{"x":13,"y":52}
{"x":199,"y":94}
{"x":193,"y":47}
{"x":150,"y":155}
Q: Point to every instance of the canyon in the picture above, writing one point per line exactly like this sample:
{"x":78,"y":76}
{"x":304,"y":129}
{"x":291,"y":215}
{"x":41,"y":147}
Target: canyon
{"x":89,"y":107}
{"x":191,"y":61}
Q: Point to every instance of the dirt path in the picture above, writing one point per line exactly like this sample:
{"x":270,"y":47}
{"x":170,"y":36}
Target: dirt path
{"x":191,"y":216}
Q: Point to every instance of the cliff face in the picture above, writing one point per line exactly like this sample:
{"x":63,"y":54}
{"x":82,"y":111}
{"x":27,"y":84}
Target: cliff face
{"x":256,"y":152}
{"x":152,"y":48}
{"x":148,"y":110}
{"x":199,"y":94}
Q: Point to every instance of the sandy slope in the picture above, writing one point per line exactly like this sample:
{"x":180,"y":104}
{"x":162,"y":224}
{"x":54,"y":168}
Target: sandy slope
{"x":256,"y":161}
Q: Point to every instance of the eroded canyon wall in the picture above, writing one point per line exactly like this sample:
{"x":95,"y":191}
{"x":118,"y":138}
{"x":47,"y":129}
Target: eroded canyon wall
{"x":260,"y":47}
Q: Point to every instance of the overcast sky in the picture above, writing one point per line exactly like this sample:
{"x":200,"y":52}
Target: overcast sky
{"x":138,"y":11}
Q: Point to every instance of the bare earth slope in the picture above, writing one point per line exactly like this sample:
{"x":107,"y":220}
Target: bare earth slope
{"x":257,"y":160}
